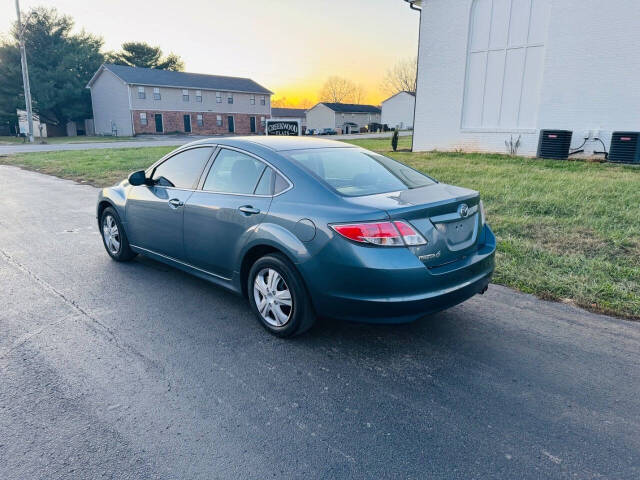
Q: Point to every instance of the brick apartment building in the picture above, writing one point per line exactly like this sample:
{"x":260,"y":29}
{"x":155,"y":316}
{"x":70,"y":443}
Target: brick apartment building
{"x":131,"y":101}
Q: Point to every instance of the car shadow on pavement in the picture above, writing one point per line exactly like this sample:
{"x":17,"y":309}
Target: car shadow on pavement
{"x":438,"y":328}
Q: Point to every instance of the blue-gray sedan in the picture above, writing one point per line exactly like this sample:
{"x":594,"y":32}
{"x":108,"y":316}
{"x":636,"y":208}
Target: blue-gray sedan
{"x":304,"y":227}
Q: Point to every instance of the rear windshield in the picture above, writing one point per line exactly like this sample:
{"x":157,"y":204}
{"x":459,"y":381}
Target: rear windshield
{"x":356,"y":172}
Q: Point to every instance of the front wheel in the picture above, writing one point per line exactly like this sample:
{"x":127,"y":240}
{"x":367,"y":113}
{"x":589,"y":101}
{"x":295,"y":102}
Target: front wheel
{"x":278,"y":296}
{"x":114,"y":237}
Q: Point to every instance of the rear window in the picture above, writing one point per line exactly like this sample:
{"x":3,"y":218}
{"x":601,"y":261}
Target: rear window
{"x":356,"y":172}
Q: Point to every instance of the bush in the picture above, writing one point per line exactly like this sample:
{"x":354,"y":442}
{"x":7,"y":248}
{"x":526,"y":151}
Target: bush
{"x":394,"y":139}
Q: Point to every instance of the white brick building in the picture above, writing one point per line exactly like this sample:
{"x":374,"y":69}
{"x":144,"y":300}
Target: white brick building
{"x":490,"y":69}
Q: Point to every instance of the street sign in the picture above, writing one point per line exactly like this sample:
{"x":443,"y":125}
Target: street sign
{"x":283,"y":127}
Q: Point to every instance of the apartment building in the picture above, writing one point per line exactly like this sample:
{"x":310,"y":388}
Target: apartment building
{"x":131,"y":101}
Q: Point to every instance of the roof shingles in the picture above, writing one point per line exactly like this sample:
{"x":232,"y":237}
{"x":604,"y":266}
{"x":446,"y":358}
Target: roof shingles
{"x":167,"y":78}
{"x":351,"y":108}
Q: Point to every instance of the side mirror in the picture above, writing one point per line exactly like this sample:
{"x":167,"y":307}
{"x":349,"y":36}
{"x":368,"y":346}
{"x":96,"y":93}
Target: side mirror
{"x":137,"y":178}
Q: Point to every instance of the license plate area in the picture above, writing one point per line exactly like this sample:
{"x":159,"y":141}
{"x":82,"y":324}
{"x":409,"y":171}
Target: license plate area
{"x":458,"y":234}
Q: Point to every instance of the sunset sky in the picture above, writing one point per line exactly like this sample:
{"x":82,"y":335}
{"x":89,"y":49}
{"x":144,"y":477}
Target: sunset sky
{"x":289,"y":46}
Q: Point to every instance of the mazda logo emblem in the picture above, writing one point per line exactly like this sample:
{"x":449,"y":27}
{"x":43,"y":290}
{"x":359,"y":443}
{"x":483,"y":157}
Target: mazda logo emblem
{"x":463,"y":210}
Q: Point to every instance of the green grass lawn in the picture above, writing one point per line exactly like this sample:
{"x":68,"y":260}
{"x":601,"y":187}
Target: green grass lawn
{"x":567,"y":231}
{"x":59,"y":140}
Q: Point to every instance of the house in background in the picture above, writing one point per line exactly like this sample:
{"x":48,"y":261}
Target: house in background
{"x":291,"y":113}
{"x":344,"y":117}
{"x":131,"y":101}
{"x":397,"y":110}
{"x":489,"y":70}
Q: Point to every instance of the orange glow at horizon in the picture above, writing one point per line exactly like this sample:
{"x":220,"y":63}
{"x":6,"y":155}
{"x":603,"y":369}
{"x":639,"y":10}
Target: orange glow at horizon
{"x":288,"y":46}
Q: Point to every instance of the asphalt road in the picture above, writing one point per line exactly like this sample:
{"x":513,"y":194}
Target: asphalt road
{"x":145,"y":141}
{"x":137,"y":370}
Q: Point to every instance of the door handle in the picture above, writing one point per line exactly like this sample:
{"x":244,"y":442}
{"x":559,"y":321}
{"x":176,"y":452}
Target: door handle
{"x":175,"y":203}
{"x":249,"y":210}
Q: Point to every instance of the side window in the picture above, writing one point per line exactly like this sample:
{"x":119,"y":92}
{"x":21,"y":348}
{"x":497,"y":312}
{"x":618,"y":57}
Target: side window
{"x":182,"y":170}
{"x":265,"y":185}
{"x":280,"y":184}
{"x":234,"y":172}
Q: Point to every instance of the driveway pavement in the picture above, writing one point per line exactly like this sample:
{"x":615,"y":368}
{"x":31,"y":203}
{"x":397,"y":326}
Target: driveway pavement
{"x":147,"y":141}
{"x":138,"y":370}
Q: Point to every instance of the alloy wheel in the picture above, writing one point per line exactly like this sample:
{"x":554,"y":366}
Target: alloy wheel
{"x":111,"y":234}
{"x":272,"y":297}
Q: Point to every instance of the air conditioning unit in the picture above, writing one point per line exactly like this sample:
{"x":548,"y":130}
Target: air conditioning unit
{"x":554,"y":144}
{"x":625,"y":147}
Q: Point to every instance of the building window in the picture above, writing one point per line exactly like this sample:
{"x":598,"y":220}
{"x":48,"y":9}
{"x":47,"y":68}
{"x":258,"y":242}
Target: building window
{"x":156,"y":93}
{"x":263,"y":100}
{"x":505,"y":62}
{"x":229,"y":97}
{"x":219,"y":120}
{"x":199,"y":120}
{"x":185,"y":95}
{"x":218,"y":97}
{"x":252,"y":99}
{"x":198,"y":96}
{"x":263,"y":122}
{"x":141,"y":93}
{"x":143,"y":118}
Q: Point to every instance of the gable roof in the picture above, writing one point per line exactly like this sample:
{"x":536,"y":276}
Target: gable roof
{"x":413,"y":94}
{"x":351,"y":107}
{"x":166,"y":78}
{"x":288,"y":112}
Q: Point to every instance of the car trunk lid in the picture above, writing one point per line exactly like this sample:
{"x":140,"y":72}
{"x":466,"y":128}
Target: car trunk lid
{"x":448,"y":217}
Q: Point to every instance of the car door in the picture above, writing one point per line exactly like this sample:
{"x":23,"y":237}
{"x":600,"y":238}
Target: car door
{"x":155,"y":213}
{"x":235,"y":196}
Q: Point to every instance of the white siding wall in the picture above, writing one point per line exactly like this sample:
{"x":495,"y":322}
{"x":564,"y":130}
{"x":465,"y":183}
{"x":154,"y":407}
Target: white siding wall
{"x":360,"y":119}
{"x":397,"y":111}
{"x":574,"y":68}
{"x":171,"y":100}
{"x":321,"y":116}
{"x":110,"y":102}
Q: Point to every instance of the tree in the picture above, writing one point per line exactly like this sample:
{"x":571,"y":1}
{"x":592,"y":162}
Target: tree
{"x":284,"y":102}
{"x":357,"y":96}
{"x":340,"y":90}
{"x":402,"y":77}
{"x":141,"y":54}
{"x":61,"y":64}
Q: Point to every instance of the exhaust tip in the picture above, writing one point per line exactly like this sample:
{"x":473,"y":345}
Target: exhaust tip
{"x":484,"y":290}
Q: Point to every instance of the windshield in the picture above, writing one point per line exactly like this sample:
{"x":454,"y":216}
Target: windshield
{"x":357,"y":172}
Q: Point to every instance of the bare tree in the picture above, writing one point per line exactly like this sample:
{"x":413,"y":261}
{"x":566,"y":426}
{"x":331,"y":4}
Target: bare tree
{"x":338,"y":90}
{"x":357,"y":95}
{"x":402,"y":77}
{"x":280,"y":102}
{"x":284,"y":102}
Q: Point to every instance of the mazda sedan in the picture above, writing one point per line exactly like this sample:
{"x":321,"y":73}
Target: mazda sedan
{"x":304,"y":227}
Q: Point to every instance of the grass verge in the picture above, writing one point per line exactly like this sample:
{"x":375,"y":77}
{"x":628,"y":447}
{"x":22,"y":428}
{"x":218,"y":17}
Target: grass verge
{"x":567,"y":231}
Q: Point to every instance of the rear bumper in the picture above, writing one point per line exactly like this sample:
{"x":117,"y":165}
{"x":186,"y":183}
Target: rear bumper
{"x":399,"y":288}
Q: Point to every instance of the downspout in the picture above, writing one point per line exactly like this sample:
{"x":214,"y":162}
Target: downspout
{"x":418,"y":8}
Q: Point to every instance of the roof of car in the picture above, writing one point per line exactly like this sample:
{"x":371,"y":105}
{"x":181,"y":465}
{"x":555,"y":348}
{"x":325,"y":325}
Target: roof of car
{"x":276,"y":143}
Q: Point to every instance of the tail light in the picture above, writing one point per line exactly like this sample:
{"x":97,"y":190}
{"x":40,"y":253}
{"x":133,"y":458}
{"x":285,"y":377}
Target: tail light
{"x":385,"y":234}
{"x":483,"y":214}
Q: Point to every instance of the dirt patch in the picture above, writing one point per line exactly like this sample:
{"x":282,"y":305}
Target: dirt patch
{"x":579,"y":241}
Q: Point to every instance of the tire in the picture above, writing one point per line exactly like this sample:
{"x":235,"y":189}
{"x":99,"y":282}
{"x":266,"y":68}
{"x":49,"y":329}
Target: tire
{"x":300,"y":316}
{"x":114,"y":240}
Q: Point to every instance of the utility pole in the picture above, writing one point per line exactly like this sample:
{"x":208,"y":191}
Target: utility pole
{"x":25,"y":73}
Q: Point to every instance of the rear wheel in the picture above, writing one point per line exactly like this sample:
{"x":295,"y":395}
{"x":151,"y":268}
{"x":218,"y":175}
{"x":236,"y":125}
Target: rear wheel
{"x":278,"y":297}
{"x":114,"y":237}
